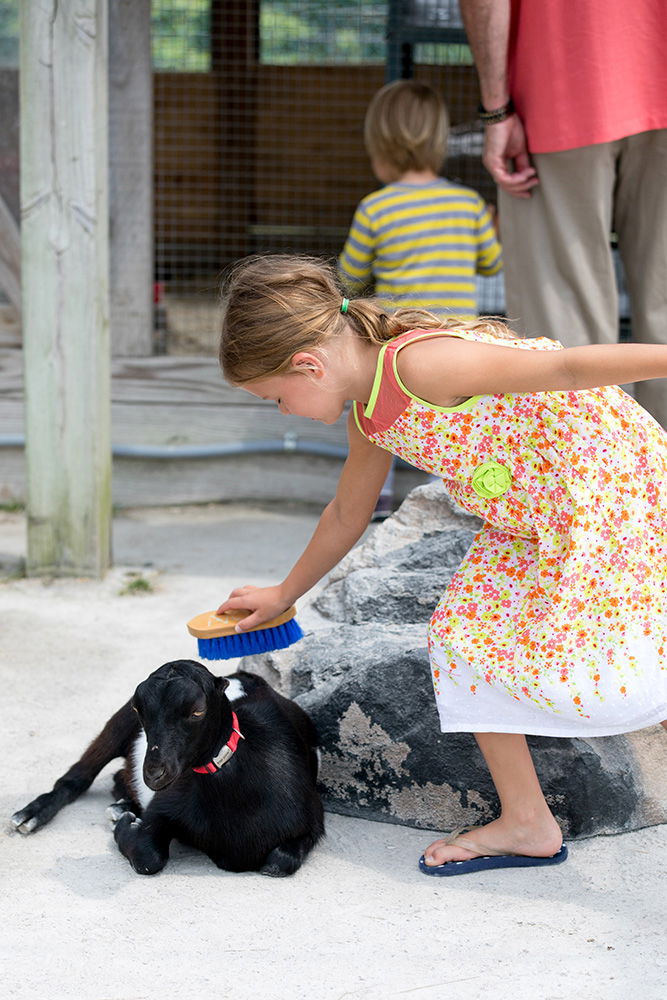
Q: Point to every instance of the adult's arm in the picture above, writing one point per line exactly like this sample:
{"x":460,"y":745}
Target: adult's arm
{"x":487,"y":25}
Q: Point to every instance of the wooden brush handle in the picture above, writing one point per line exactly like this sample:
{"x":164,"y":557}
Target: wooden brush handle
{"x":211,"y":626}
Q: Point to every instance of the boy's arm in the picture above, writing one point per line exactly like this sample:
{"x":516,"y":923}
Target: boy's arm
{"x":342,"y":523}
{"x":355,"y":264}
{"x":489,"y":251}
{"x":449,"y":368}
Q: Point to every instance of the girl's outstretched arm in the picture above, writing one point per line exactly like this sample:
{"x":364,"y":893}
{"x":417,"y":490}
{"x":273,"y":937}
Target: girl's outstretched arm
{"x":342,"y":523}
{"x":445,"y":370}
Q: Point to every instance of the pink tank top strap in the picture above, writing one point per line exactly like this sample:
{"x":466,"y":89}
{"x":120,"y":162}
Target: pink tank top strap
{"x":388,"y":399}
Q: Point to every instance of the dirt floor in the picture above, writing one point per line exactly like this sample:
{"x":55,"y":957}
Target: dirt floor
{"x":357,"y":922}
{"x":192,"y":323}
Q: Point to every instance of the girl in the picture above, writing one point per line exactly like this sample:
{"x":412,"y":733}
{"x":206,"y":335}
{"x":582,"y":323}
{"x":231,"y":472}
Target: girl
{"x":556,"y":622}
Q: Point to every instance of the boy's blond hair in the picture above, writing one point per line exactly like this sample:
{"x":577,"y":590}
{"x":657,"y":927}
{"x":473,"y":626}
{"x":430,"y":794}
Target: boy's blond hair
{"x":406,"y":127}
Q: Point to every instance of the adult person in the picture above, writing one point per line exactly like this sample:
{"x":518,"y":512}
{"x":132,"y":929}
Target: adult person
{"x":574,"y":99}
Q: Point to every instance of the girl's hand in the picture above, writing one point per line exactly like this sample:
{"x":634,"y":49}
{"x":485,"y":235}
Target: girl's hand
{"x":263,"y":603}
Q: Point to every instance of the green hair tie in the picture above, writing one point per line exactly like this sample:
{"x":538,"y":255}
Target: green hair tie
{"x":343,"y":306}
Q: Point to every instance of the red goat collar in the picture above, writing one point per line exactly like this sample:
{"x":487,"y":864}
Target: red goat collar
{"x":225,"y":752}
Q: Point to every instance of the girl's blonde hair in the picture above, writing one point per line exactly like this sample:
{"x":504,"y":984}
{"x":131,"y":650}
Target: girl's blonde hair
{"x":406,"y":127}
{"x":277,"y":305}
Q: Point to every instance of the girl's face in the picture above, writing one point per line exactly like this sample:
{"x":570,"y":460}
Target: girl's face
{"x":303,"y":393}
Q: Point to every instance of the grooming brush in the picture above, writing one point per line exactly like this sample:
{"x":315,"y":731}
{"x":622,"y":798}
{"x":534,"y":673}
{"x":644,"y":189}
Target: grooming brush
{"x":218,"y":640}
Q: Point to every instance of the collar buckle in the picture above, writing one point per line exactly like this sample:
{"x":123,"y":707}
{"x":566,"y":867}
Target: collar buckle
{"x":226,"y":752}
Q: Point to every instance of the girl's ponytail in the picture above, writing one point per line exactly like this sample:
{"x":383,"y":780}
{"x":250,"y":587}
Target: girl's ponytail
{"x":277,"y":305}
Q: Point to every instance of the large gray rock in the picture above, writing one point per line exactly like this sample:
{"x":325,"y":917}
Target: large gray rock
{"x":363,"y":674}
{"x":404,"y":588}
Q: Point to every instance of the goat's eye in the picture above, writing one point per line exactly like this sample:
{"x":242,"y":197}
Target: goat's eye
{"x":134,"y":708}
{"x":198,"y":715}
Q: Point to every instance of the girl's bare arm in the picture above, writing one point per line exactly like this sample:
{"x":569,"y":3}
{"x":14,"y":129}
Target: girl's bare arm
{"x":447,"y":369}
{"x":342,"y":523}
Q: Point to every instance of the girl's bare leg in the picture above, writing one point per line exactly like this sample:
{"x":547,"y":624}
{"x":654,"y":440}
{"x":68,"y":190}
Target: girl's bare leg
{"x":526,"y":824}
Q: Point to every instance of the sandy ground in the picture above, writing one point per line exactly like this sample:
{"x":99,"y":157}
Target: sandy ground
{"x":357,"y":922}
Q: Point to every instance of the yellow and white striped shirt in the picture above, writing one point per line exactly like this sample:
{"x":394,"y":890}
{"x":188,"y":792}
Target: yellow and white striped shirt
{"x":422,"y":245}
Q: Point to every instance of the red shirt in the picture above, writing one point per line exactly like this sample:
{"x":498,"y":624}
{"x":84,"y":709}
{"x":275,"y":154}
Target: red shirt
{"x":588,"y":71}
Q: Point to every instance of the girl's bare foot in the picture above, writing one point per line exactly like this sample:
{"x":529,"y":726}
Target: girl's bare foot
{"x":539,"y":839}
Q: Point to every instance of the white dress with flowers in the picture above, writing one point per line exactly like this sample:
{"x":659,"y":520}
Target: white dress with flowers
{"x":556,"y":622}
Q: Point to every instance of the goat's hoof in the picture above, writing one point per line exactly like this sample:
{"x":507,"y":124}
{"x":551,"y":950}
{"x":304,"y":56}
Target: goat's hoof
{"x":275,"y":871}
{"x":124,"y":820}
{"x":115,"y":810}
{"x":24,"y":822}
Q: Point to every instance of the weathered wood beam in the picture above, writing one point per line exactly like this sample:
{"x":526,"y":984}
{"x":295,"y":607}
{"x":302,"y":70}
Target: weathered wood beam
{"x":64,"y":225}
{"x":10,"y":256}
{"x":131,"y":177}
{"x":10,"y":241}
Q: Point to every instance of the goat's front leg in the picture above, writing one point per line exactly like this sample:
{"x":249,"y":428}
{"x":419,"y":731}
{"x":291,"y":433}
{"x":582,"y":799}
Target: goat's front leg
{"x":115,"y":740}
{"x":144,"y":842}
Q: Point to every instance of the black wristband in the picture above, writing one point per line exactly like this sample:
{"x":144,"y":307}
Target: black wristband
{"x":498,"y":115}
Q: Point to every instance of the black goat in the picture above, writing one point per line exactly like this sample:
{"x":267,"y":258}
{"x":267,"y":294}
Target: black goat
{"x":225,"y":765}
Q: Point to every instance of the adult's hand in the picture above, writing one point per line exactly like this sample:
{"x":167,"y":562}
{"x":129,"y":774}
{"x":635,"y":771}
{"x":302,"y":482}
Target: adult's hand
{"x":506,"y":157}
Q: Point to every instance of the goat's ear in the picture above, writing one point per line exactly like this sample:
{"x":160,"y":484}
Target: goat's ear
{"x":221,"y":683}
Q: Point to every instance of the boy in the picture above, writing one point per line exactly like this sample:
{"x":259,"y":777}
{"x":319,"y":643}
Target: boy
{"x":421,"y":239}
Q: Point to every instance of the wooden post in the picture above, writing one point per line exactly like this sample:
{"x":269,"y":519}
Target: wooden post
{"x":10,"y":257}
{"x":131,"y":176}
{"x":10,"y":239}
{"x":64,"y":228}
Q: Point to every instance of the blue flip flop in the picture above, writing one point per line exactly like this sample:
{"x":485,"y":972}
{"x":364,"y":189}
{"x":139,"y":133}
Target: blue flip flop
{"x":488,"y":861}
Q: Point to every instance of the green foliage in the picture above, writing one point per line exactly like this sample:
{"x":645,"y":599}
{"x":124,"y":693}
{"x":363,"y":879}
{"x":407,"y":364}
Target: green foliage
{"x":296,"y":32}
{"x":444,"y":54}
{"x":12,"y":506}
{"x":136,"y":585}
{"x":181,"y":35}
{"x":9,"y":32}
{"x":291,"y":32}
{"x":319,"y":32}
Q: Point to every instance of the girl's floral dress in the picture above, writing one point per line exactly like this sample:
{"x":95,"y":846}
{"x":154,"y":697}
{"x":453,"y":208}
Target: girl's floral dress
{"x":556,"y":622}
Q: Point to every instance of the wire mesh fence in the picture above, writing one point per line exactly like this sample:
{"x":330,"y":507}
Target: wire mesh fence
{"x":258,"y":131}
{"x":258,"y":135}
{"x":259,"y":110}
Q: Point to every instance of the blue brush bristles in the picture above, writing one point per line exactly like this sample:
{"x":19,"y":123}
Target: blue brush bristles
{"x":261,"y":640}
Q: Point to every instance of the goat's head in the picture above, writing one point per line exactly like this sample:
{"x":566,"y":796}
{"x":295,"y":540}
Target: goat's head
{"x":183,"y":710}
